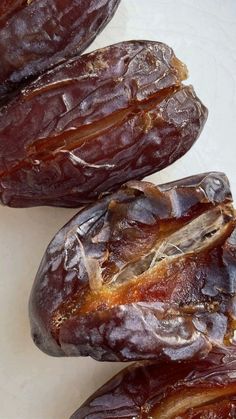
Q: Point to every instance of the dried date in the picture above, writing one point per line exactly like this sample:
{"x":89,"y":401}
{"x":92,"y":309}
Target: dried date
{"x":8,"y":8}
{"x":146,"y":273}
{"x":201,"y":390}
{"x":95,"y":122}
{"x":35,"y":35}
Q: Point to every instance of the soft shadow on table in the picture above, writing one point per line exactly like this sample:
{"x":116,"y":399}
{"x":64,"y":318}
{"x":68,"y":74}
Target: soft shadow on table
{"x":25,"y":233}
{"x":36,"y":385}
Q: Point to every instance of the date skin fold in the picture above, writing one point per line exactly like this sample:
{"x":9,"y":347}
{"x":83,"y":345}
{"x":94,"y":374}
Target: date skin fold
{"x":200,"y":390}
{"x":35,"y":35}
{"x":95,"y":122}
{"x":145,"y":273}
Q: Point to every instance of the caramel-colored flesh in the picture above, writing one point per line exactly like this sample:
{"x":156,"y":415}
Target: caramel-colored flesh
{"x":159,"y":280}
{"x":68,"y":141}
{"x":182,"y":401}
{"x":145,"y":273}
{"x":220,"y":409}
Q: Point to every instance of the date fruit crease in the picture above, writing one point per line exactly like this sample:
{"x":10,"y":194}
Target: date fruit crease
{"x":36,"y":35}
{"x":95,"y":122}
{"x":145,"y":273}
{"x":204,"y":389}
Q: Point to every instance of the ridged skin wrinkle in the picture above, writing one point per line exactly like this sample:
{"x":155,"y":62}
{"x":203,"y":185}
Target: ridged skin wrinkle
{"x":94,"y":122}
{"x":145,"y":273}
{"x":8,"y":8}
{"x":152,"y":390}
{"x":38,"y":34}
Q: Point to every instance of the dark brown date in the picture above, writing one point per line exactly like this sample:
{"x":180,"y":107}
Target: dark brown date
{"x":200,"y":390}
{"x":38,"y":34}
{"x":146,"y":273}
{"x":8,"y":8}
{"x":95,"y":122}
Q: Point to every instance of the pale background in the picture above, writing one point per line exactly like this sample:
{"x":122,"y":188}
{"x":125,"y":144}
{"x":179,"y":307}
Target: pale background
{"x":203,"y":35}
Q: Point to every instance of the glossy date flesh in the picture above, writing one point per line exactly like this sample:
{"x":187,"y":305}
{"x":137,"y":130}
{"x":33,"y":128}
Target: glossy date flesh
{"x":95,"y":122}
{"x":145,"y":273}
{"x":36,"y":35}
{"x":200,"y":390}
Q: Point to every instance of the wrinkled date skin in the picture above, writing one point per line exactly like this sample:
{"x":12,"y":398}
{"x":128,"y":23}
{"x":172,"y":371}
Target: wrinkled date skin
{"x":38,"y":34}
{"x":95,"y":122}
{"x":8,"y":8}
{"x":200,"y":390}
{"x":146,"y":273}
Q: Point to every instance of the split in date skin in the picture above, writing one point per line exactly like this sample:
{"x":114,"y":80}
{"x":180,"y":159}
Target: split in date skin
{"x":145,"y":273}
{"x":95,"y":122}
{"x":36,"y":35}
{"x":204,"y":389}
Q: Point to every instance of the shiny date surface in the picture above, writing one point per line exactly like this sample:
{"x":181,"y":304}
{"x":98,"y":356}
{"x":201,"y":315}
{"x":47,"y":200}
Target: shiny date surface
{"x":36,"y":35}
{"x":200,"y":390}
{"x":95,"y":122}
{"x":146,"y":273}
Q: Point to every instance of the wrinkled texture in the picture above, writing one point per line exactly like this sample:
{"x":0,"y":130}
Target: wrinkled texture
{"x":38,"y":34}
{"x":148,"y":272}
{"x":201,"y":390}
{"x":8,"y":8}
{"x":93,"y":123}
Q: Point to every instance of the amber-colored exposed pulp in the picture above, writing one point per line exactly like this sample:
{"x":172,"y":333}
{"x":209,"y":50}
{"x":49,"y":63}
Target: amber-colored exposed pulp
{"x":158,"y":267}
{"x":176,"y":405}
{"x":47,"y":149}
{"x":140,"y":280}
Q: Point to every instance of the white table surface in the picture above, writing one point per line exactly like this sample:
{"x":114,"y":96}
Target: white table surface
{"x":203,"y":35}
